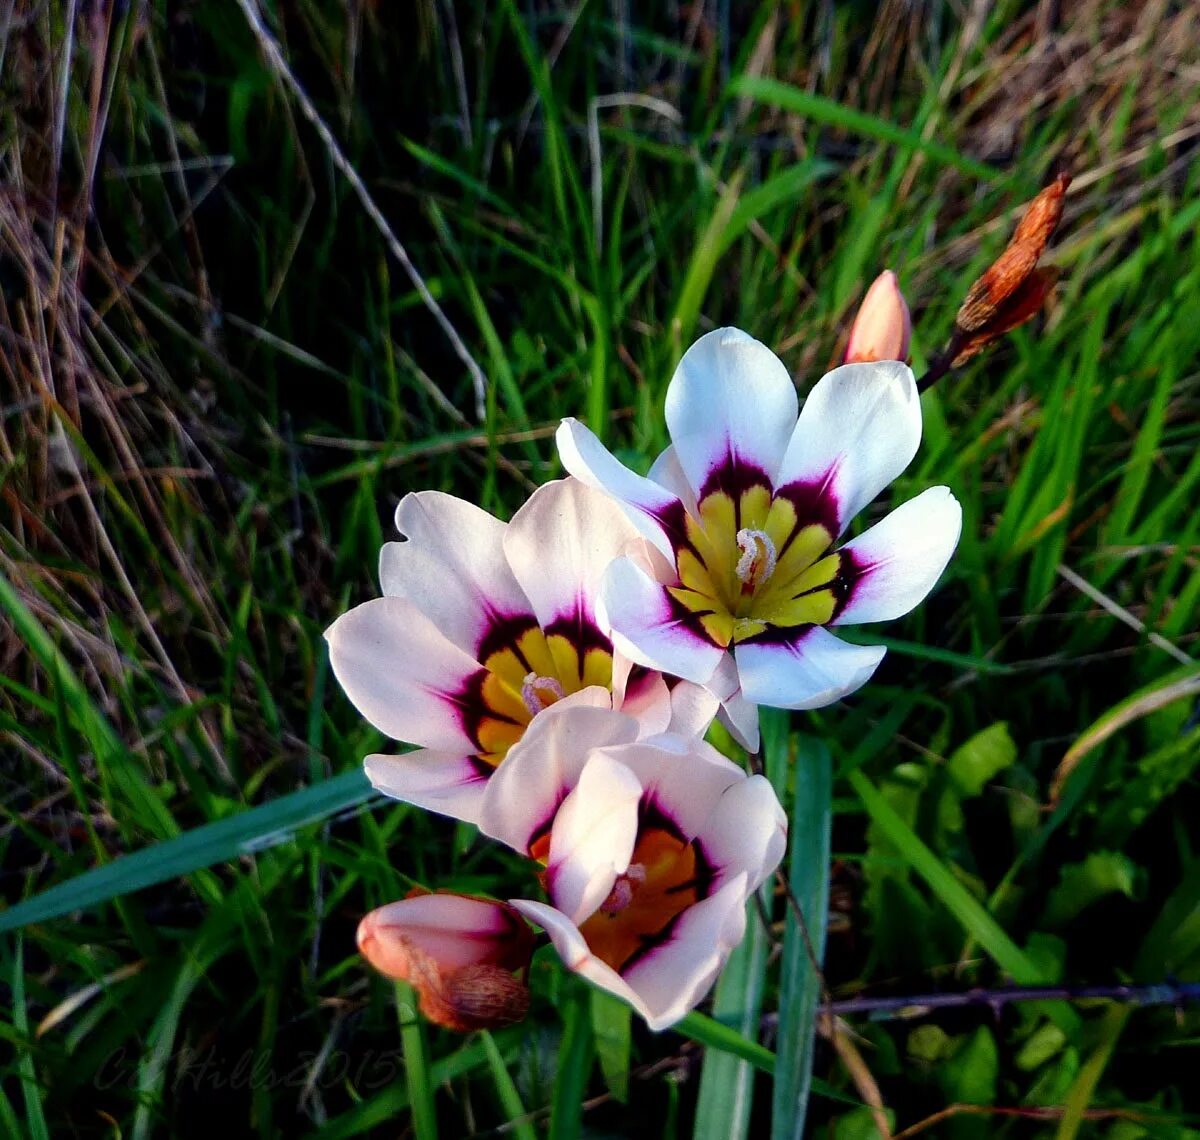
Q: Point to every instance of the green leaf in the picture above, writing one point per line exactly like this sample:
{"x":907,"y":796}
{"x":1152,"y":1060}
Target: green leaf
{"x":575,"y":1056}
{"x":700,"y":1027}
{"x":804,"y":938}
{"x":613,"y":1032}
{"x":953,"y":895}
{"x":981,"y":758}
{"x":249,"y":831}
{"x":1081,"y":884}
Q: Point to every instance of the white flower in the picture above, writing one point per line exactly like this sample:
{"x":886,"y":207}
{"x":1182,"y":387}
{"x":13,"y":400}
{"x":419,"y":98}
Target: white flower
{"x":651,"y":849}
{"x":745,"y":507}
{"x":482,"y":626}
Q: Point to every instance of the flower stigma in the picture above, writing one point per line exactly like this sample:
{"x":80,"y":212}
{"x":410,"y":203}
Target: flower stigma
{"x":758,"y":559}
{"x":540,"y":692}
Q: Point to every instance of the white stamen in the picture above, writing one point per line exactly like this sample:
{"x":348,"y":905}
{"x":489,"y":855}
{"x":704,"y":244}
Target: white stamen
{"x":623,"y":889}
{"x":533,"y":689}
{"x":757,"y":562}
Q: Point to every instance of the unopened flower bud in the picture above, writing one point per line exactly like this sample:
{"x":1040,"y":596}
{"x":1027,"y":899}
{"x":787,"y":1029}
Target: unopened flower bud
{"x":457,"y":952}
{"x":882,"y":329}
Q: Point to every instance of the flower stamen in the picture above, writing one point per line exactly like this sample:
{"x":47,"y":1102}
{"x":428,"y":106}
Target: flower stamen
{"x":540,"y":692}
{"x":624,"y":889}
{"x":758,"y":559}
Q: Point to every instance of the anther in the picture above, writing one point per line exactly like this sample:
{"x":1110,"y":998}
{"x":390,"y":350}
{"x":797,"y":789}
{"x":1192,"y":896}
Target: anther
{"x":540,"y":692}
{"x":624,"y":889}
{"x":757,"y":562}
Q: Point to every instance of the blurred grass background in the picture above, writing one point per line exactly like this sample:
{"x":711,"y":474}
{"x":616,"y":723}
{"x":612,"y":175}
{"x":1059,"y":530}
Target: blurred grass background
{"x":217,"y":380}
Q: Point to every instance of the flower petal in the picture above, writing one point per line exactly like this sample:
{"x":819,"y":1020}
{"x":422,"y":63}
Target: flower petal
{"x":593,"y":836}
{"x":682,"y":779}
{"x":672,"y":978}
{"x":559,"y":544}
{"x":668,"y":472}
{"x":731,"y":403}
{"x":573,"y":950}
{"x":647,"y":627}
{"x":645,"y":697}
{"x":746,"y":833}
{"x":402,"y":673}
{"x":544,"y":765}
{"x":737,"y":714}
{"x":808,"y":670}
{"x":892,"y":566}
{"x":452,"y":566}
{"x":657,"y":514}
{"x":693,"y":708}
{"x":448,"y":783}
{"x":859,"y":428}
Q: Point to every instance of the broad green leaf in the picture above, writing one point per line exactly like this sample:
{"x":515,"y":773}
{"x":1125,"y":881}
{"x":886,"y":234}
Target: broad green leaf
{"x":1081,"y":884}
{"x":981,"y":758}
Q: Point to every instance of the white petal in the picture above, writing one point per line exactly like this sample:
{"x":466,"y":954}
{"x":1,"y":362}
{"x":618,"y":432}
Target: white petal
{"x":730,"y":402}
{"x":684,"y":779}
{"x":655,"y":513}
{"x":642,"y":617}
{"x":670,"y":980}
{"x":593,"y":836}
{"x":646,"y":698}
{"x":693,"y":708}
{"x":559,"y":544}
{"x":746,"y":832}
{"x":858,"y":429}
{"x":452,"y":566}
{"x":899,"y":560}
{"x":401,"y":672}
{"x":673,"y":978}
{"x":445,"y":782}
{"x":668,"y":472}
{"x":737,"y":714}
{"x":573,"y":950}
{"x":812,"y":670}
{"x":544,"y":765}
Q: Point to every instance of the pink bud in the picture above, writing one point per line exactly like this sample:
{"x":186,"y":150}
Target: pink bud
{"x":882,"y":328}
{"x":446,"y":931}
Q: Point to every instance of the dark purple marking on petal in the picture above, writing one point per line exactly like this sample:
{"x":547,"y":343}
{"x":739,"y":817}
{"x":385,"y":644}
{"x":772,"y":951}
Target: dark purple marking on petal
{"x":690,"y":619}
{"x":504,"y":631}
{"x":815,"y":501}
{"x":581,"y":630}
{"x":735,"y":477}
{"x":472,"y":708}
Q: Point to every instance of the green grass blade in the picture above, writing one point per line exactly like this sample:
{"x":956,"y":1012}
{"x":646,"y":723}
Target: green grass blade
{"x":800,"y":984}
{"x":1090,"y":1072}
{"x":248,"y":831}
{"x":34,"y":1117}
{"x":416,"y":1064}
{"x":727,"y":1081}
{"x":711,"y":1033}
{"x":828,"y":111}
{"x":574,"y":1068}
{"x":519,"y":1124}
{"x":982,"y":927}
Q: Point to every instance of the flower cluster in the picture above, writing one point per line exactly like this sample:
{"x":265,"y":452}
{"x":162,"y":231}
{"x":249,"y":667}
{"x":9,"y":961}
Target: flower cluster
{"x":558,"y":673}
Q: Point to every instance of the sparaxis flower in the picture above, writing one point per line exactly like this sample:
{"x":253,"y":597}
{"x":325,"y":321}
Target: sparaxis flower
{"x":484,"y":625}
{"x":651,"y":849}
{"x":743,"y":512}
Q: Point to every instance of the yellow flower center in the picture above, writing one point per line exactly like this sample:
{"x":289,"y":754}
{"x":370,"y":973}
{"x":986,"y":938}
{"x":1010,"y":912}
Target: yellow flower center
{"x":525,"y":670}
{"x":751,"y":563}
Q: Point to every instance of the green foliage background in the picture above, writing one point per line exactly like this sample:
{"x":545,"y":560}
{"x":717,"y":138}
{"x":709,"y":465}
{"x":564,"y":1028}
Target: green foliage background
{"x":217,"y":380}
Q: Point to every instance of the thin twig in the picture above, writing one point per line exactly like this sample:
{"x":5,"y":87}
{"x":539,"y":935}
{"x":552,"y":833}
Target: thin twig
{"x":275,"y":60}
